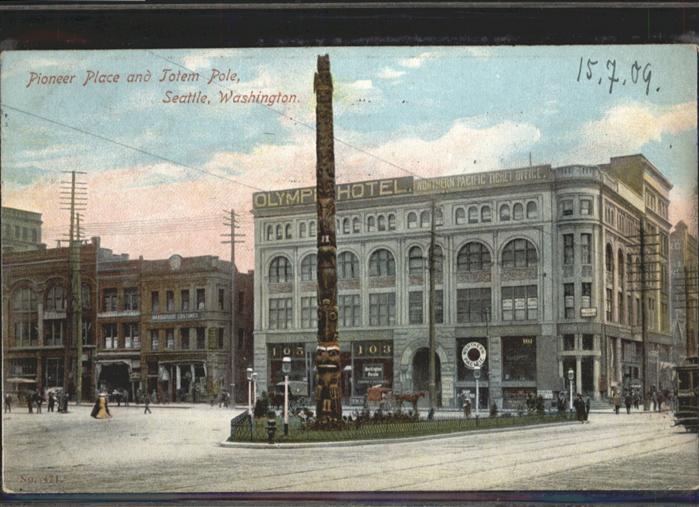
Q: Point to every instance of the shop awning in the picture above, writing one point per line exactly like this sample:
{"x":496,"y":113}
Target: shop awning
{"x":21,"y":381}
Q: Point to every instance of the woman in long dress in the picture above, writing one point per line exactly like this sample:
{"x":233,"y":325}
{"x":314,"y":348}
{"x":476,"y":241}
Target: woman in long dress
{"x":101,"y":409}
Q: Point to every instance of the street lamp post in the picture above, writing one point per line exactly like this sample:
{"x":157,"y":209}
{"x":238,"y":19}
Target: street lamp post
{"x":571,"y":376}
{"x":249,"y":373}
{"x":254,"y":387}
{"x":477,"y":375}
{"x":286,"y":369}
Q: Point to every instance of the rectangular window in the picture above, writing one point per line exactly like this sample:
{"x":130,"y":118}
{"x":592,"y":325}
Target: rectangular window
{"x":588,"y":342}
{"x":620,"y":308}
{"x":569,"y":300}
{"x":350,"y":315}
{"x":585,"y":248}
{"x":629,"y":309}
{"x":170,"y":301}
{"x":309,"y":312}
{"x":221,"y":298}
{"x":518,"y":358}
{"x":415,"y":307}
{"x":638,"y":312}
{"x":439,"y":307}
{"x":609,"y":305}
{"x":131,"y":299}
{"x":280,"y":316}
{"x":131,"y":339}
{"x":170,"y":338}
{"x":567,"y":207}
{"x":35,"y":236}
{"x":568,"y":249}
{"x":568,"y":342}
{"x":154,"y":340}
{"x":586,"y":295}
{"x":220,"y":338}
{"x":241,"y":301}
{"x":585,"y":207}
{"x":473,"y":305}
{"x":201,"y":299}
{"x":155,"y":302}
{"x":184,"y":300}
{"x":109,"y":300}
{"x":201,"y":338}
{"x":111,"y":340}
{"x":382,"y":309}
{"x":53,"y":332}
{"x":184,"y":338}
{"x":518,"y":303}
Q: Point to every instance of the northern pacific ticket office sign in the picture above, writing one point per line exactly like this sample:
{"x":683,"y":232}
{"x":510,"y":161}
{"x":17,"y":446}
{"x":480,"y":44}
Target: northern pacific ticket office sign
{"x":343,"y":192}
{"x":475,"y":181}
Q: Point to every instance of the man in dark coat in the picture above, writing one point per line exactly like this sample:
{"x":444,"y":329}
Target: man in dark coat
{"x":52,"y":402}
{"x":628,"y":401}
{"x":579,"y":405}
{"x":8,"y":403}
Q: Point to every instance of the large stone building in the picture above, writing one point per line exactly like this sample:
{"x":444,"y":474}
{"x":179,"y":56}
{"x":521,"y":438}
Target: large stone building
{"x":160,"y":326}
{"x":21,"y":230}
{"x":540,"y":265}
{"x":685,"y":265}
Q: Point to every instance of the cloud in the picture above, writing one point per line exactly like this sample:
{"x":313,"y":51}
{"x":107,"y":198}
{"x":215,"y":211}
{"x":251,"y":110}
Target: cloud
{"x":389,"y":73}
{"x":627,"y":127}
{"x":683,"y":206}
{"x":415,"y":62}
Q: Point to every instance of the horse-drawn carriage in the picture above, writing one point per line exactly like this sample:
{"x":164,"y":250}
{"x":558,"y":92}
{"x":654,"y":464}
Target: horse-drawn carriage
{"x":385,"y":399}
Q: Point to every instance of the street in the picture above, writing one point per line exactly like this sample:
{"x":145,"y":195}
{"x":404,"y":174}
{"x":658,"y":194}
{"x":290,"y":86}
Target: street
{"x":176,"y":450}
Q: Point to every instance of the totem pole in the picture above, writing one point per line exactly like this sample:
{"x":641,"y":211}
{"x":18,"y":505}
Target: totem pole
{"x":328,"y":367}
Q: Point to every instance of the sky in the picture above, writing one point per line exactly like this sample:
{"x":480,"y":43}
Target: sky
{"x":160,"y":170}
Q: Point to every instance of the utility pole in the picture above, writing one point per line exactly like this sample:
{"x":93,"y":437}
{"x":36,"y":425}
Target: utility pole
{"x":644,"y":319}
{"x":433,"y":345}
{"x":74,"y":196}
{"x":230,"y":221}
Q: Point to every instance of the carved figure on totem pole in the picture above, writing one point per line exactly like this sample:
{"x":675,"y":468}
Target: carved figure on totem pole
{"x":328,"y":365}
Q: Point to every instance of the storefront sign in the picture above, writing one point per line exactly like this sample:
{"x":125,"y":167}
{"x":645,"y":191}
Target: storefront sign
{"x":545,"y":394}
{"x":343,"y":192}
{"x":482,"y":180}
{"x":372,"y":371}
{"x":373,"y":349}
{"x":473,"y":355}
{"x":287,"y":349}
{"x":175,"y":316}
{"x":588,"y":312}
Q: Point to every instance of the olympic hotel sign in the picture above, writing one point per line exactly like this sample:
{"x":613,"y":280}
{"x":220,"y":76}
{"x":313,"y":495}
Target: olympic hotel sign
{"x":403,"y":186}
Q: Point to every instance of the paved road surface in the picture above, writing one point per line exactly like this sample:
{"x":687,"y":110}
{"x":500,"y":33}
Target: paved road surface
{"x":176,"y":450}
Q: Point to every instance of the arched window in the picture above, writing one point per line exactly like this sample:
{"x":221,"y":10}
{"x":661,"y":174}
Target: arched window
{"x":280,"y":270}
{"x":356,"y":227}
{"x":629,"y":267}
{"x":371,"y":224}
{"x":382,"y":222}
{"x":438,"y":216}
{"x":415,"y":261}
{"x":302,"y":230}
{"x":55,"y":299}
{"x":473,"y":256}
{"x":287,"y":231}
{"x":438,"y":259}
{"x":460,"y":216}
{"x":425,"y":219}
{"x":24,"y":319}
{"x":412,"y":220}
{"x":519,"y":253}
{"x":270,"y":233}
{"x":391,"y":222}
{"x":309,"y":267}
{"x":620,"y":257}
{"x":609,"y":258}
{"x":85,"y":295}
{"x":472,"y":215}
{"x":347,"y":266}
{"x":532,"y":211}
{"x":279,"y":231}
{"x":345,"y":226}
{"x":382,"y":263}
{"x":518,"y":211}
{"x":312,"y":229}
{"x":24,"y":300}
{"x":505,"y":213}
{"x":486,"y":215}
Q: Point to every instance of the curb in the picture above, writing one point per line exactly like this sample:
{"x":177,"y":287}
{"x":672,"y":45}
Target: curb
{"x":353,"y":443}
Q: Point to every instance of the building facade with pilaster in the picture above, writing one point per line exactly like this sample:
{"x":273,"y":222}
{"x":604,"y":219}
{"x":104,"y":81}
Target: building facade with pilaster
{"x":537,"y":264}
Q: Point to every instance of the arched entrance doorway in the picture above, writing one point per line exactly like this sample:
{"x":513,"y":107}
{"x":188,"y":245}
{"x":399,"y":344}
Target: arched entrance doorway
{"x":421,"y":373}
{"x":114,"y":376}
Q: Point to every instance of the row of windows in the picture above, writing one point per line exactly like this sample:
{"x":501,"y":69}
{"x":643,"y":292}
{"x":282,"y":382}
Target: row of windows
{"x":21,"y":233}
{"x":184,"y":339}
{"x":566,"y":207}
{"x":24,"y":299}
{"x":518,"y":303}
{"x":184,"y":302}
{"x":472,"y":257}
{"x":26,"y":332}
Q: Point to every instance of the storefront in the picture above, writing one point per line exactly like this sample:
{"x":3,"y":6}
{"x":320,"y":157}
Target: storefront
{"x":465,"y":381}
{"x":372,"y":365}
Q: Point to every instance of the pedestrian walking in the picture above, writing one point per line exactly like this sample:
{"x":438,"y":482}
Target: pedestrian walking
{"x":628,"y":401}
{"x":101,"y":408}
{"x":39,"y":400}
{"x":636,"y":399}
{"x":52,"y":402}
{"x":587,"y":409}
{"x":147,"y":404}
{"x":30,"y":403}
{"x":579,"y":405}
{"x":616,"y":400}
{"x":8,"y":403}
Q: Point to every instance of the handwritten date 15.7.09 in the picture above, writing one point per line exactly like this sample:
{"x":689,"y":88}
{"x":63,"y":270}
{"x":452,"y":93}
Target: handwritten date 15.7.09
{"x":639,"y":73}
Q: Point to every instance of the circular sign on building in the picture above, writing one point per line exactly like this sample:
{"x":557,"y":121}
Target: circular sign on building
{"x":175,"y":262}
{"x":473,"y":354}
